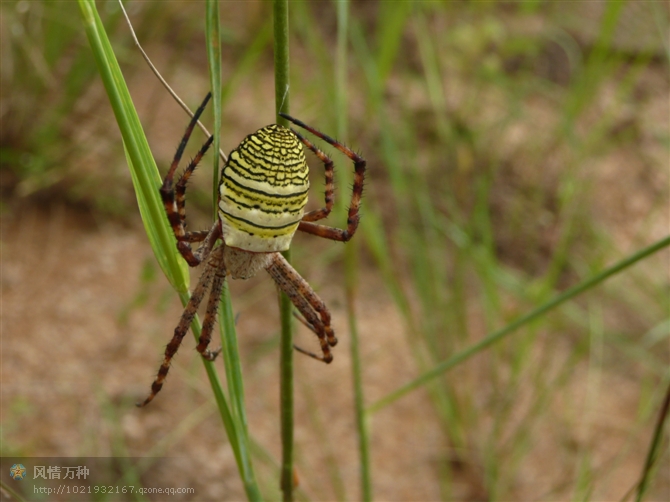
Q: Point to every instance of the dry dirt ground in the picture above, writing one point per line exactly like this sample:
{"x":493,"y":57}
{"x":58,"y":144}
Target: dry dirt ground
{"x":80,"y":346}
{"x":74,"y":346}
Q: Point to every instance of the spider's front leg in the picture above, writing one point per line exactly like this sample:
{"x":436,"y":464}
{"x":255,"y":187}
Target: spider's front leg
{"x":307,"y":224}
{"x":174,"y":199}
{"x":307,"y":302}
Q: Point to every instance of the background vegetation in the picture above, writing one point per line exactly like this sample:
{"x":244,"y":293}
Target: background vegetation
{"x":514,"y":150}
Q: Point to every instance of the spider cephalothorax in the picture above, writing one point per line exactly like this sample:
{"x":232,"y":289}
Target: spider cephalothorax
{"x":262,"y":196}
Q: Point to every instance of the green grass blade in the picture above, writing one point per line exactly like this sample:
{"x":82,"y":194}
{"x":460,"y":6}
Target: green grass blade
{"x":230,"y":349}
{"x":500,"y":334}
{"x":281,"y":61}
{"x":146,"y":178}
{"x":654,"y":447}
{"x":146,"y":181}
{"x":213,"y":37}
{"x":351,"y":251}
{"x":233,"y":366}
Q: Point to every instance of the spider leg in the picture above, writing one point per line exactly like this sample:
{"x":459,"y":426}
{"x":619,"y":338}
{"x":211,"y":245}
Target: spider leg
{"x":176,"y":209}
{"x":185,"y":322}
{"x":308,"y":225}
{"x":322,"y":213}
{"x":175,"y":202}
{"x":201,"y":254}
{"x":305,"y":323}
{"x":187,"y":134}
{"x":307,"y":302}
{"x":210,"y":316}
{"x":196,"y":236}
{"x":180,"y":187}
{"x":302,"y":320}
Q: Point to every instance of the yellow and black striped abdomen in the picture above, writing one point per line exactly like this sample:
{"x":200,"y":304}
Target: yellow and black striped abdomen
{"x":263,"y":191}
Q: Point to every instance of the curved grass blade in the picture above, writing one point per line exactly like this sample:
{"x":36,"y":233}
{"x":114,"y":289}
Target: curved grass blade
{"x":502,"y":333}
{"x":146,"y":181}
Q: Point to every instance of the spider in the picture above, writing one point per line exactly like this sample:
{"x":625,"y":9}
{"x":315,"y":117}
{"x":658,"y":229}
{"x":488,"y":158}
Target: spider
{"x":262,"y":196}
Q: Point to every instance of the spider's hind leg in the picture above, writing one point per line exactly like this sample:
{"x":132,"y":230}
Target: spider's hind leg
{"x":211,"y":268}
{"x":210,"y":315}
{"x":311,"y":307}
{"x":309,"y":326}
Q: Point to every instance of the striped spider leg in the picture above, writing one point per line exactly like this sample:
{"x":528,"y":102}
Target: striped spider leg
{"x":315,"y":314}
{"x":307,"y":225}
{"x":262,"y":195}
{"x":174,"y":201}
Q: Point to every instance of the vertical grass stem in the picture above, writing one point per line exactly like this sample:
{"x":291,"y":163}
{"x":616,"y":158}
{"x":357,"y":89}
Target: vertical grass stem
{"x":351,"y":258}
{"x":281,"y":61}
